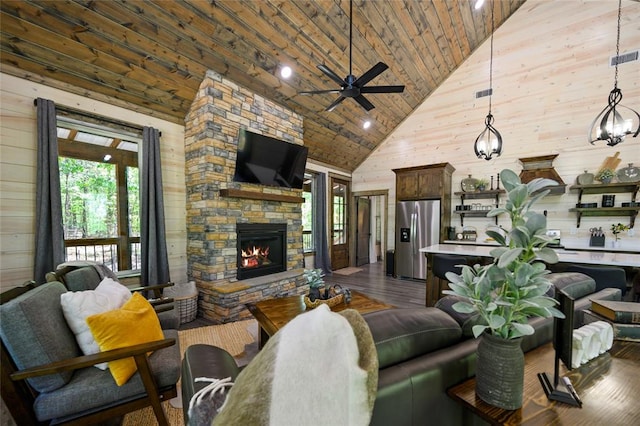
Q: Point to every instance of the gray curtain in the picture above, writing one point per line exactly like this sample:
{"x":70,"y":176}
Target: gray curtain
{"x":155,"y":260}
{"x":322,"y":259}
{"x":49,"y":250}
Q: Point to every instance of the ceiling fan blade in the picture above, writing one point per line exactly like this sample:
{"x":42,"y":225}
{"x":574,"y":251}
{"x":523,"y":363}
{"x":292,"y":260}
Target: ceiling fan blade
{"x":364,"y":103}
{"x":332,"y":75}
{"x":382,"y":89}
{"x":373,"y":72}
{"x":319,"y":92}
{"x":335,"y":104}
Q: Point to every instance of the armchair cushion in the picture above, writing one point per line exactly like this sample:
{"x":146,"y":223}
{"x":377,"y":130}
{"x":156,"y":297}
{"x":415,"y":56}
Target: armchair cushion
{"x":136,"y":322}
{"x":35,"y":332}
{"x":77,"y":306}
{"x":91,"y":389}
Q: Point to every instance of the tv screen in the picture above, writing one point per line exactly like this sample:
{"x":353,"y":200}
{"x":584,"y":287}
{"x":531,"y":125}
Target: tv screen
{"x":268,"y":161}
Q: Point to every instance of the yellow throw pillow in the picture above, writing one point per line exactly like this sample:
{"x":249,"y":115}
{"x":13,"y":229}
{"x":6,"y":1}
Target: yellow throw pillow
{"x":136,"y":322}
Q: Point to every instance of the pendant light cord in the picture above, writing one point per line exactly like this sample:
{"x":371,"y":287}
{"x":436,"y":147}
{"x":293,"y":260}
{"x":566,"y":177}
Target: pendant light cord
{"x":350,"y":34}
{"x":615,"y":81}
{"x":491,"y":61}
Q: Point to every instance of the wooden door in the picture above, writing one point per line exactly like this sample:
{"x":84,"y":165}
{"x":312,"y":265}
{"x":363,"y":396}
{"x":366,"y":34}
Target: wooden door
{"x":339,"y":223}
{"x":363,"y":231}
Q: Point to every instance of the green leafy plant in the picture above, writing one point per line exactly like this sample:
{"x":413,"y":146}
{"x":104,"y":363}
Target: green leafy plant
{"x":617,"y":228}
{"x":505,"y":293}
{"x":605,"y":174}
{"x":482,"y":184}
{"x":315,"y":277}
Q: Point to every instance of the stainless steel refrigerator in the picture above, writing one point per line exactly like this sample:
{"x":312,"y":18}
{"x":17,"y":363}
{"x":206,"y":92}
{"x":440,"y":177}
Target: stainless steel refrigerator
{"x":417,"y":226}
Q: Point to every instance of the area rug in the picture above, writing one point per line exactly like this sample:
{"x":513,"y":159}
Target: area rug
{"x":240,"y":339}
{"x":347,"y":271}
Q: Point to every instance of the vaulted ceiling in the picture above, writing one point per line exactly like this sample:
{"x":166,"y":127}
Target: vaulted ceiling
{"x":151,"y":56}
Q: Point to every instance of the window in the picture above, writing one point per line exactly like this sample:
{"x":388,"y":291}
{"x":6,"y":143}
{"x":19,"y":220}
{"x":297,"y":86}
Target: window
{"x":308,"y":193}
{"x":99,"y":185}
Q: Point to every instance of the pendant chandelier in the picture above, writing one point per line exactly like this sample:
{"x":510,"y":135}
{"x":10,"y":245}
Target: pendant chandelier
{"x":610,"y":125}
{"x":489,"y":142}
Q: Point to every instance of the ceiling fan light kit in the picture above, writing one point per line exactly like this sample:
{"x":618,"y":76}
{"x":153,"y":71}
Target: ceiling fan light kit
{"x":489,"y":141}
{"x":610,"y":125}
{"x":350,"y":86}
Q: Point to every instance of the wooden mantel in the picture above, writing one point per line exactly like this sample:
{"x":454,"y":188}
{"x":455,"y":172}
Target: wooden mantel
{"x":250,"y":195}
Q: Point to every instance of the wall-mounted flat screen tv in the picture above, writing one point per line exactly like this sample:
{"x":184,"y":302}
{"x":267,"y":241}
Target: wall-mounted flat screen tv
{"x":269,"y":161}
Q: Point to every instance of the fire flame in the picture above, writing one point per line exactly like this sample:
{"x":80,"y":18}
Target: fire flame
{"x":255,"y":256}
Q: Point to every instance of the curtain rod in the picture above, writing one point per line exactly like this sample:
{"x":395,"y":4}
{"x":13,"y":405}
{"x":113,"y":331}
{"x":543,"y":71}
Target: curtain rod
{"x":61,"y":108}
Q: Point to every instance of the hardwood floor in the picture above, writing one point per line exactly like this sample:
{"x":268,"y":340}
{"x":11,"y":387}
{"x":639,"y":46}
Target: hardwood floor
{"x":374,"y":283}
{"x":371,"y":281}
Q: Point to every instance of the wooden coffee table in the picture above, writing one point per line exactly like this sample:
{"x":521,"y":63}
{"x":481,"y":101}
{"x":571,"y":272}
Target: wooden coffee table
{"x":273,"y":314}
{"x":608,"y":386}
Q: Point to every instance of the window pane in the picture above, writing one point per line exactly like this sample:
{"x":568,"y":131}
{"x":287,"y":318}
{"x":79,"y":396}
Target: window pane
{"x":339,"y":217}
{"x":89,"y":199}
{"x":133,"y":193}
{"x":307,"y":213}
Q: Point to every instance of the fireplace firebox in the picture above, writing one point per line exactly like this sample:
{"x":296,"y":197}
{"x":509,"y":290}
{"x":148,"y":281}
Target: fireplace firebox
{"x":262,"y":249}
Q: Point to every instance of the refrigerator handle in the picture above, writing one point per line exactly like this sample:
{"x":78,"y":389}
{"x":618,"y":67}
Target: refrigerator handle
{"x":414,"y":233}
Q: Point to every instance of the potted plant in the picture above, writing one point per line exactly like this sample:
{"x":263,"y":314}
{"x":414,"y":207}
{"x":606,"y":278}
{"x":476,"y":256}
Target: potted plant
{"x":482,"y":184}
{"x":617,"y":228}
{"x":316,"y":282}
{"x":504,"y":294}
{"x":605,"y":175}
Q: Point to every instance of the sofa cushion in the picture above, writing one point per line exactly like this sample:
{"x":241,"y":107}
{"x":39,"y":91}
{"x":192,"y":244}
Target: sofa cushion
{"x":78,"y":305}
{"x":35,"y":332}
{"x":135,"y":323}
{"x":82,"y":279}
{"x":402,"y":334}
{"x":575,"y":284}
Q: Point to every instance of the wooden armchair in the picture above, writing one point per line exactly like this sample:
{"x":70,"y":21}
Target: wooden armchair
{"x":46,"y":380}
{"x":85,"y":275}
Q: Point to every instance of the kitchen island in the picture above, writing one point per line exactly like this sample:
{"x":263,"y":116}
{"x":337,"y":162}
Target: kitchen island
{"x":605,"y":258}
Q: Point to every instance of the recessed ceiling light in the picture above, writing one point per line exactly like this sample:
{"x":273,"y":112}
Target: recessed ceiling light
{"x":366,"y":124}
{"x":285,"y":72}
{"x":478,"y":4}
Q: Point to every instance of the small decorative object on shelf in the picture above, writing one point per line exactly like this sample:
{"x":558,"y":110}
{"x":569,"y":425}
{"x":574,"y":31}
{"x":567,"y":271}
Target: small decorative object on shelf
{"x":585,"y":178}
{"x":629,"y":174}
{"x":608,"y":200}
{"x":481,"y":185}
{"x":491,"y":182}
{"x":605,"y":176}
{"x":469,"y":184}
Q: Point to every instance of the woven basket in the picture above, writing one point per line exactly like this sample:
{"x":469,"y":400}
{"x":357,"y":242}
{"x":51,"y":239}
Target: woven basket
{"x":331,"y":302}
{"x":186,"y":299}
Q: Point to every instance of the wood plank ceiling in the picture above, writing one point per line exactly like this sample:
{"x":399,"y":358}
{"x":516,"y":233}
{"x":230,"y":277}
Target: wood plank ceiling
{"x":150,"y":56}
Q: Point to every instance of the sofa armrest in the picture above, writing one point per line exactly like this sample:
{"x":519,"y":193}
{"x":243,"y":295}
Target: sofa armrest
{"x":204,"y":361}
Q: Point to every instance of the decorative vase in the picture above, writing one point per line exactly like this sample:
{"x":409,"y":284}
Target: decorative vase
{"x":500,"y":371}
{"x":314,"y":293}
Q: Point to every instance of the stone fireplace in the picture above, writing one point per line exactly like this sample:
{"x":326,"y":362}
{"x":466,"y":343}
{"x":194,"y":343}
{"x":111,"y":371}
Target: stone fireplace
{"x":217,"y":207}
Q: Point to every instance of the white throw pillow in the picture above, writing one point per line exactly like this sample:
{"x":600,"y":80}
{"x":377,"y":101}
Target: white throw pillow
{"x":78,"y":305}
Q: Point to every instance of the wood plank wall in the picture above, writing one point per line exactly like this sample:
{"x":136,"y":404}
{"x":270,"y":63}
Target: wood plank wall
{"x":18,"y":175}
{"x":550,"y":78}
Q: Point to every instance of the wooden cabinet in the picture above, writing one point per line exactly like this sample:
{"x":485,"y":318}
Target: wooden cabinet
{"x":611,"y":188}
{"x":424,"y":182}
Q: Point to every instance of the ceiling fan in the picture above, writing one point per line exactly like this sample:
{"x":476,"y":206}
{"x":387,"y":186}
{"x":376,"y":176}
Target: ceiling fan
{"x":350,"y":86}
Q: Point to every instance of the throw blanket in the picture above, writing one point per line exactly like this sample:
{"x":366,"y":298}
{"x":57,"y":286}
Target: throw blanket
{"x":320,"y":369}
